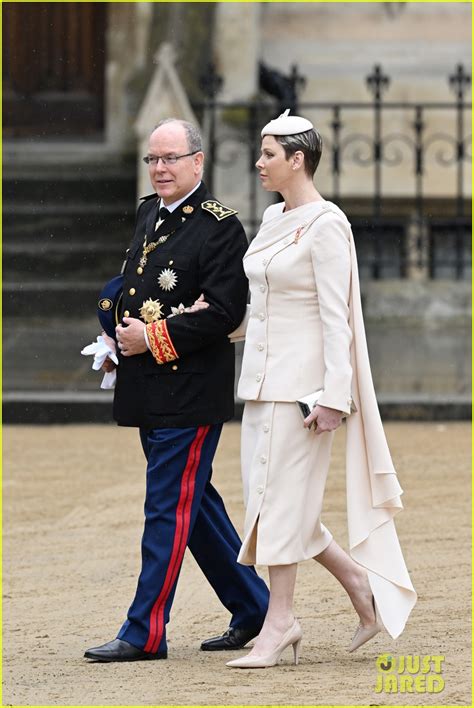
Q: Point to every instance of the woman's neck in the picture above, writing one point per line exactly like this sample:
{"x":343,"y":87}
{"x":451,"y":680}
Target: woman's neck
{"x":300,"y":194}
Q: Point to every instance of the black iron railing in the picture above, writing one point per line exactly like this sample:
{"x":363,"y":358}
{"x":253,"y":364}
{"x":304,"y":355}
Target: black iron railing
{"x":395,"y":234}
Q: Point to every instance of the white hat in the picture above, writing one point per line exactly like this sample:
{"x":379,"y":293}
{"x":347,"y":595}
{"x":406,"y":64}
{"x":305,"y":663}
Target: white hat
{"x":287,"y":125}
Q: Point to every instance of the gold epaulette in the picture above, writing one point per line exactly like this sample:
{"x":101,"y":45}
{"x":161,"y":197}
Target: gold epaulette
{"x":218,"y":210}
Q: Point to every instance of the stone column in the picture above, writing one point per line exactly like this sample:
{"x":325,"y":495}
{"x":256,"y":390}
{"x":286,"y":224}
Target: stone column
{"x":165,"y":97}
{"x":237,"y":48}
{"x":127,"y":38}
{"x":417,"y":251}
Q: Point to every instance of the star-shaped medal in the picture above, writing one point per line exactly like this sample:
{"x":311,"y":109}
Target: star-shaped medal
{"x":167,"y":279}
{"x":151,"y":311}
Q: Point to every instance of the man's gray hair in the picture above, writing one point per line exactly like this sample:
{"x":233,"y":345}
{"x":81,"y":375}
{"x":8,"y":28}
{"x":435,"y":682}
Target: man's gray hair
{"x":193,"y":135}
{"x":309,"y":143}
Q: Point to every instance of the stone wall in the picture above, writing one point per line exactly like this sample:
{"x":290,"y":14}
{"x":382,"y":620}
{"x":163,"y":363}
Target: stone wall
{"x":135,"y":32}
{"x":335,"y":46}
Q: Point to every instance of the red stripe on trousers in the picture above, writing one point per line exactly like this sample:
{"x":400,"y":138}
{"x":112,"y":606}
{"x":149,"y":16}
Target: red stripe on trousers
{"x":183,"y":520}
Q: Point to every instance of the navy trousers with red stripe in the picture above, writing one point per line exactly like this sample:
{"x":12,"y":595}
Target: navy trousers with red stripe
{"x":182,"y":508}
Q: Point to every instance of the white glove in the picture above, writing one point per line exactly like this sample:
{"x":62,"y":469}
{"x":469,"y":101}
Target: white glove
{"x":101,"y":350}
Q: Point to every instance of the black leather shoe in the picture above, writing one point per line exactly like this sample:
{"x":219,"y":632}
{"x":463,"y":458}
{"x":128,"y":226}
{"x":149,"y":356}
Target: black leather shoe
{"x":233,"y":638}
{"x":120,"y":650}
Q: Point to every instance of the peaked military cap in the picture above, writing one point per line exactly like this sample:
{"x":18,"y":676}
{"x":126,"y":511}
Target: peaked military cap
{"x":108,"y":306}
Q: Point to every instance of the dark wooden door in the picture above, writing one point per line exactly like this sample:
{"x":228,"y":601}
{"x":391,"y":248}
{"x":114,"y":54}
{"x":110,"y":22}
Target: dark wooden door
{"x":53,"y":68}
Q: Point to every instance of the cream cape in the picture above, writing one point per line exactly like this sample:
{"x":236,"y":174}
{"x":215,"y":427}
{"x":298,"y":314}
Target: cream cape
{"x":373,"y":490}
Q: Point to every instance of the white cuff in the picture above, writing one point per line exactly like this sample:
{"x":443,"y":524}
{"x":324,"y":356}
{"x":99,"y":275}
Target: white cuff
{"x":147,"y":341}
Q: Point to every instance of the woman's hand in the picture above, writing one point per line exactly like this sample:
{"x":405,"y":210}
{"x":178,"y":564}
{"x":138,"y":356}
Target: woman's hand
{"x":325,"y":419}
{"x":199,"y":304}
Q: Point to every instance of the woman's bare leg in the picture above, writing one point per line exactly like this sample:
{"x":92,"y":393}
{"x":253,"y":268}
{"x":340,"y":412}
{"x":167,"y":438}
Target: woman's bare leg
{"x":353,"y":579}
{"x":279,"y":617}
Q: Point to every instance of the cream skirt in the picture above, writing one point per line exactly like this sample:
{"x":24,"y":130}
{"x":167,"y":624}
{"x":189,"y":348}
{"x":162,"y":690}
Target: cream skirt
{"x":284,"y":470}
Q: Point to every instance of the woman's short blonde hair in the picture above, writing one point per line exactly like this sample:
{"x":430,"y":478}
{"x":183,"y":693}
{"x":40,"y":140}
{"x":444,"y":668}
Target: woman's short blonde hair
{"x":309,"y":143}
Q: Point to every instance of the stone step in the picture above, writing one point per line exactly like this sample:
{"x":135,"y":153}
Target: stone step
{"x":46,"y":209}
{"x":59,"y":407}
{"x":46,"y":379}
{"x":56,"y":407}
{"x":80,"y":183}
{"x":45,"y":224}
{"x":42,"y":353}
{"x":73,"y":298}
{"x":86,"y":201}
{"x":27,"y":262}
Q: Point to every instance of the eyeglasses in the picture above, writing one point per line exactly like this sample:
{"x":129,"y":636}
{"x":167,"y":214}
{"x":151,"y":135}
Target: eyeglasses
{"x":168,"y":160}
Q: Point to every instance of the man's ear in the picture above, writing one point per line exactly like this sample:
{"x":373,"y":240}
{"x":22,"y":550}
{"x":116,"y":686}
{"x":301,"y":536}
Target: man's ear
{"x":198,"y":162}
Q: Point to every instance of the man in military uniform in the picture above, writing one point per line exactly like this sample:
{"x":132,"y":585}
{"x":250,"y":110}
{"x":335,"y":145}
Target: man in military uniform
{"x":175,"y":382}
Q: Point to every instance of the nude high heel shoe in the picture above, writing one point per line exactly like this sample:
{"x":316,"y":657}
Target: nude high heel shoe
{"x":364,"y":634}
{"x":292,"y":636}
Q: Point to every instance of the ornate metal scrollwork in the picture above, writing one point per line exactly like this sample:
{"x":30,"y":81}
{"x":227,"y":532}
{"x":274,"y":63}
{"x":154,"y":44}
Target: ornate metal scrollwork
{"x":396,"y":157}
{"x":358,"y":157}
{"x":447,"y":141}
{"x":379,"y":145}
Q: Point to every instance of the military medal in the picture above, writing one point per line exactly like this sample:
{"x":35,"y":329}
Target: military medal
{"x":151,"y":311}
{"x":177,"y":310}
{"x":151,"y":247}
{"x":167,"y":279}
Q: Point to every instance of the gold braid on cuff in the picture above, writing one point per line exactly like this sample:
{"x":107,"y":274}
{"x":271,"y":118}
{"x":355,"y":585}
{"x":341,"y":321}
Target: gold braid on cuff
{"x":160,"y":342}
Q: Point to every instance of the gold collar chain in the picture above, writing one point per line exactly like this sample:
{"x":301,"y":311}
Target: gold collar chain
{"x":148,"y":248}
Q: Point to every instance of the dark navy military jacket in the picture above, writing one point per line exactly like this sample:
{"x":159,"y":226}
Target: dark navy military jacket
{"x":200,"y":250}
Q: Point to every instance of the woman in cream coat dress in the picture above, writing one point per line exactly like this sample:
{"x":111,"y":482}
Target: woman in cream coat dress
{"x":305,"y":333}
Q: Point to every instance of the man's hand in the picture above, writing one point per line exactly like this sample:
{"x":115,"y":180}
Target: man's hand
{"x":108,"y":364}
{"x":131,"y":339}
{"x":325,"y":419}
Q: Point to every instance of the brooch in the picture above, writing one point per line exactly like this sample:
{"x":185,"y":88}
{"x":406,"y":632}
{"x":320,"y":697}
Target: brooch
{"x":298,"y":234}
{"x":151,"y":311}
{"x":188,"y":209}
{"x":177,"y":310}
{"x":167,"y":279}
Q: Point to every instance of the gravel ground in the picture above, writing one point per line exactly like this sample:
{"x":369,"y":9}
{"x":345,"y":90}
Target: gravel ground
{"x":73,"y":514}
